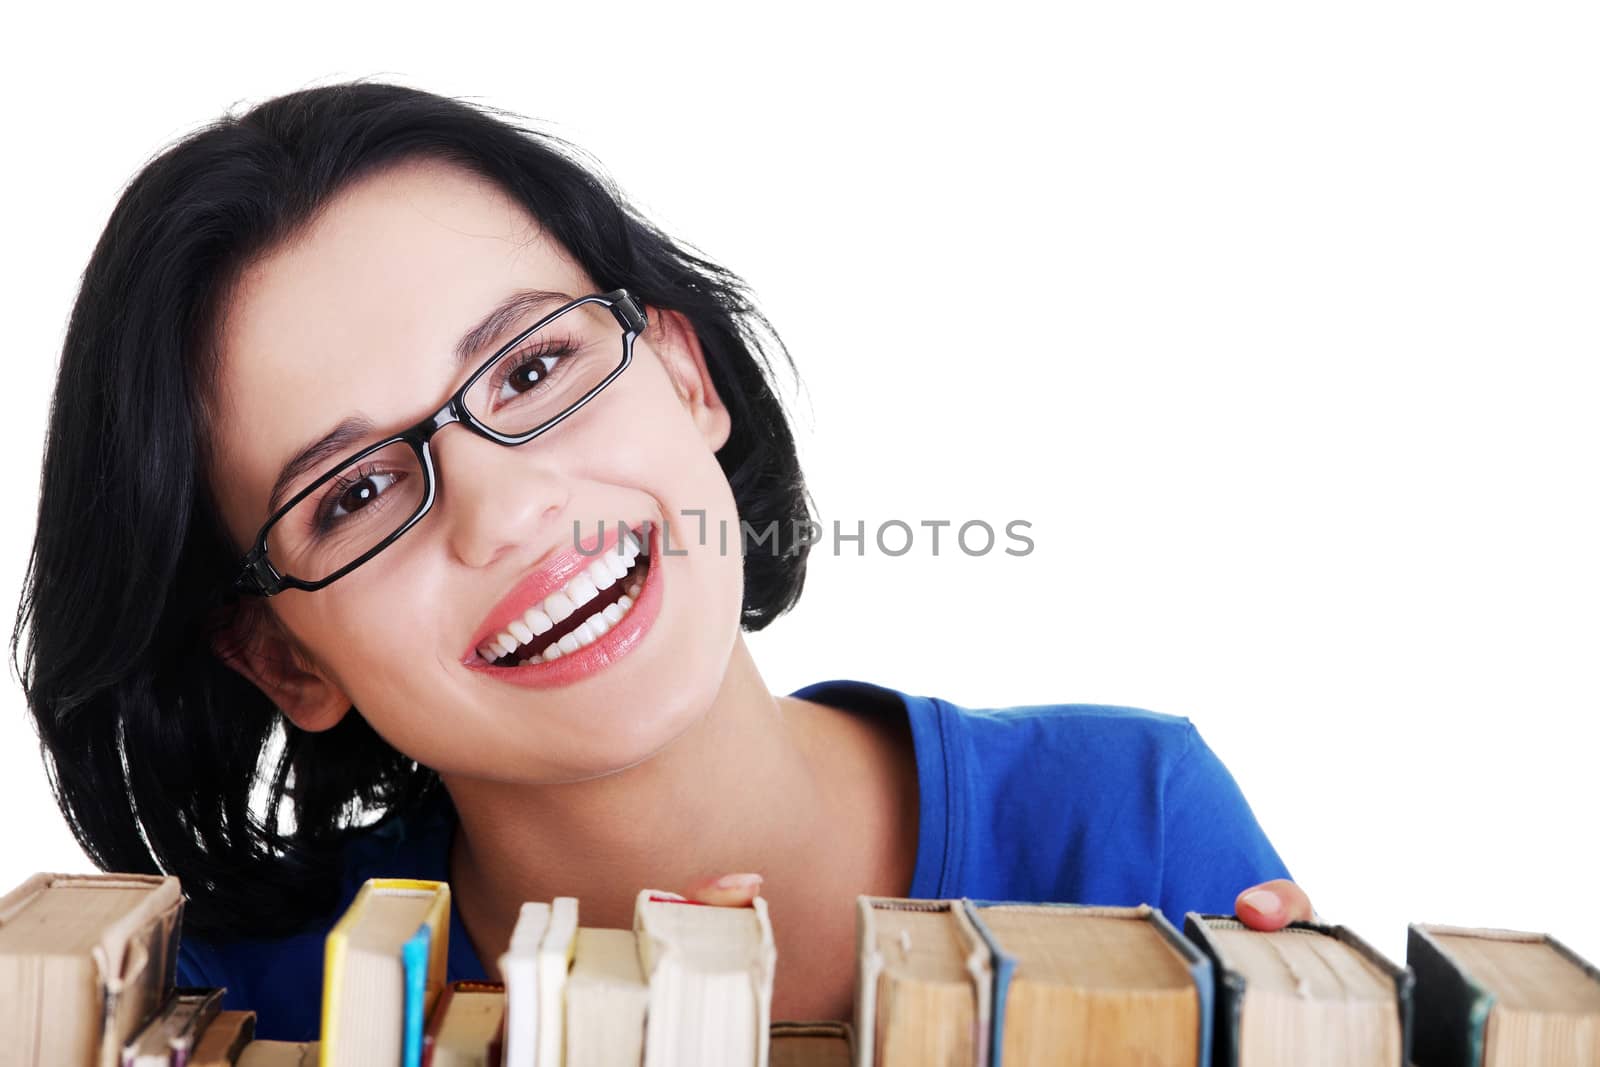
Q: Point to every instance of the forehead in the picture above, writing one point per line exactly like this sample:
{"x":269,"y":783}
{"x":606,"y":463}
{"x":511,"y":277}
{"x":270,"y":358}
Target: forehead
{"x":359,"y":314}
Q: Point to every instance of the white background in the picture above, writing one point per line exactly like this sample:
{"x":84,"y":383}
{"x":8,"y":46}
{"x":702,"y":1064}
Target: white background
{"x":1278,"y":325}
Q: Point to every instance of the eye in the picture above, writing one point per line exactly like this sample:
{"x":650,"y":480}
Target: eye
{"x":359,"y":494}
{"x":526,"y":375}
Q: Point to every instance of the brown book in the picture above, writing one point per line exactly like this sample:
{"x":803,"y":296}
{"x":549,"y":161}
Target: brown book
{"x":1080,"y":986}
{"x":923,"y":984}
{"x":819,"y":1044}
{"x":1308,"y":993}
{"x":467,"y":1026}
{"x":85,"y":962}
{"x":1501,"y":997}
{"x":168,"y":1039}
{"x":280,"y":1054}
{"x":224,"y":1039}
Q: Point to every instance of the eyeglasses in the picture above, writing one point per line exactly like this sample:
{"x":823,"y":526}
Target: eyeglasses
{"x":364,"y":503}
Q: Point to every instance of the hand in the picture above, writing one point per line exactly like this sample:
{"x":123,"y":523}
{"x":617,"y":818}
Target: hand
{"x":729,"y":890}
{"x":1273,"y":905}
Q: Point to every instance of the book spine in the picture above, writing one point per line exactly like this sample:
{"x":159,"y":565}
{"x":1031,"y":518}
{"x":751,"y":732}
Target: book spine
{"x":1451,"y":1010}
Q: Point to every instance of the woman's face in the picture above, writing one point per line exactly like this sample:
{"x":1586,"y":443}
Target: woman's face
{"x":358,"y":317}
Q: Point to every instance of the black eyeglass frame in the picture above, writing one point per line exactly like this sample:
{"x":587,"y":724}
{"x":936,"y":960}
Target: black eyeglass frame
{"x":259,"y":577}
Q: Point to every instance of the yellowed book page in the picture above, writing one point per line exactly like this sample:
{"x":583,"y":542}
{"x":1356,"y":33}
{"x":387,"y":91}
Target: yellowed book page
{"x":1524,"y":973}
{"x":1092,"y":989}
{"x":926,"y":1009}
{"x":1100,"y":952}
{"x":1310,"y":999}
{"x":1547,"y":1009}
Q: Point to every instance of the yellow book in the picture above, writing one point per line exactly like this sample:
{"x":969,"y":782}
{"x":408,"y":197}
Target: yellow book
{"x":372,"y":998}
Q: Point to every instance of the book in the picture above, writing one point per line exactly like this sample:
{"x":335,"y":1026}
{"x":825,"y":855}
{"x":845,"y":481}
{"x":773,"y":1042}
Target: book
{"x":223,"y":1041}
{"x":467,"y":1026}
{"x":1490,"y":998}
{"x":280,"y":1054}
{"x":519,"y":969}
{"x":555,"y":958}
{"x":924,"y":984}
{"x":811,"y":1044}
{"x":414,"y":959}
{"x":1079,"y":986}
{"x":169,"y":1037}
{"x":364,"y":1012}
{"x":85,"y":961}
{"x":1309,"y":993}
{"x":710,"y":971}
{"x":606,"y":1000}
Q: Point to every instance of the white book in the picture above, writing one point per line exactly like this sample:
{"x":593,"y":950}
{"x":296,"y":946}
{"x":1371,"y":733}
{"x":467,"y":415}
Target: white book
{"x":555,"y":959}
{"x":710,"y":972}
{"x":606,"y":1000}
{"x":519,"y":970}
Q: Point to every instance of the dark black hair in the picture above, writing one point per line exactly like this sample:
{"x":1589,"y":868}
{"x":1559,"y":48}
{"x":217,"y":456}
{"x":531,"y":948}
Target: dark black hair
{"x":154,"y":747}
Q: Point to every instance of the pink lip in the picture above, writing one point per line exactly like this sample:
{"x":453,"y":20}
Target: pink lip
{"x":532,"y":590}
{"x":589,"y":659}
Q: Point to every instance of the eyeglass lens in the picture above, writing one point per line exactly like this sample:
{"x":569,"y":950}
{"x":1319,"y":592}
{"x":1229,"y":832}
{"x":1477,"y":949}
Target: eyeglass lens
{"x":362,"y":503}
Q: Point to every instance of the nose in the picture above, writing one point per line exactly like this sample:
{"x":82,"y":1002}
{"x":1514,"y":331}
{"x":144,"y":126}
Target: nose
{"x":494,"y":499}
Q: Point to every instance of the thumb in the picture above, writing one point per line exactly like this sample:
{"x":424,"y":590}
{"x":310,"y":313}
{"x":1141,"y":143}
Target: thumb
{"x":728,"y":890}
{"x":1273,"y":905}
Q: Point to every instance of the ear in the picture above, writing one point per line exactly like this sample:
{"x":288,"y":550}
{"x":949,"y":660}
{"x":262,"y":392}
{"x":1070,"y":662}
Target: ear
{"x":673,"y":338}
{"x":254,"y":643}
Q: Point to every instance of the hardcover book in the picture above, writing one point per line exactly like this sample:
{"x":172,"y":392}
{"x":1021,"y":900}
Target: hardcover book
{"x":710,"y":972}
{"x":1491,"y":998}
{"x":467,"y":1027}
{"x":1080,"y":986}
{"x":924,"y":984}
{"x":364,"y":996}
{"x":168,"y":1039}
{"x":811,"y":1044}
{"x":85,"y":962}
{"x":1309,"y":994}
{"x":224,"y":1040}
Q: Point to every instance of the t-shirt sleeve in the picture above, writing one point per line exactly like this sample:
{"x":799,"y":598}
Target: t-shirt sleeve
{"x":1213,"y":846}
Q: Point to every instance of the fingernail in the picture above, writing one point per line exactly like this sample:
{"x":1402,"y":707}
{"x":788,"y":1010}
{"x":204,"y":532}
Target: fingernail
{"x":738,"y":881}
{"x":1264,"y":901}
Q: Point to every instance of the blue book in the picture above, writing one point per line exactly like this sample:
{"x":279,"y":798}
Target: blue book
{"x":1006,"y":961}
{"x":414,"y":955}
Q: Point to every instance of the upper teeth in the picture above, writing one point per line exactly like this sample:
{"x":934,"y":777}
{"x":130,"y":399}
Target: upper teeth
{"x":601,"y":573}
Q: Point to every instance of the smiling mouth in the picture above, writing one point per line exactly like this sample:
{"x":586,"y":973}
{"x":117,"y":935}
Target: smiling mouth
{"x":581,"y":611}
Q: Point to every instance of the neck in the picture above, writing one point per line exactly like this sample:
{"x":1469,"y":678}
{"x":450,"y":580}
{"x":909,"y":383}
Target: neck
{"x":739,"y":791}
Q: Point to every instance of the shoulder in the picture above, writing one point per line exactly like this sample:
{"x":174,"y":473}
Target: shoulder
{"x":1045,"y":743}
{"x":1097,"y":740}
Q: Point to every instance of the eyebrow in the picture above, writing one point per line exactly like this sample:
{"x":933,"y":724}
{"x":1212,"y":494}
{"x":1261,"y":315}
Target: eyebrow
{"x":509,"y":311}
{"x":513,"y":309}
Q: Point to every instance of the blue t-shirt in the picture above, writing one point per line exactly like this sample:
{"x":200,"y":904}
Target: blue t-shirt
{"x":1079,"y":803}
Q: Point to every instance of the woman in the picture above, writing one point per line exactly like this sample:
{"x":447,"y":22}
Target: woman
{"x":365,"y":397}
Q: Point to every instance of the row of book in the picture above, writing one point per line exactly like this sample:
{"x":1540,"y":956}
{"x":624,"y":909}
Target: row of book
{"x":87,"y":965}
